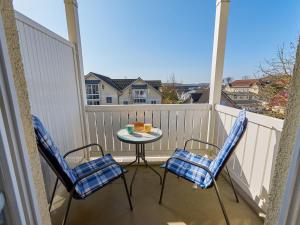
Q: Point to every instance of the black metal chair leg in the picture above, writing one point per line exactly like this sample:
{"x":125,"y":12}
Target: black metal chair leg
{"x":127,"y":192}
{"x":235,"y":194}
{"x":163,"y":186}
{"x":53,"y":193}
{"x":221,"y":202}
{"x":67,"y":211}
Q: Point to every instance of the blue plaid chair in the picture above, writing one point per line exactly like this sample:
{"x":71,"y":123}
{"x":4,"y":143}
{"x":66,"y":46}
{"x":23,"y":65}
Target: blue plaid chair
{"x":83,"y":180}
{"x":202,"y":171}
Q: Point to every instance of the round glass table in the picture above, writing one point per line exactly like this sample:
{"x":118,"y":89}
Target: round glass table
{"x":140,"y":139}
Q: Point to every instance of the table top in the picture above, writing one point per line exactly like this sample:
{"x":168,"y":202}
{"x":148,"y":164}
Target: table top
{"x":139,"y":137}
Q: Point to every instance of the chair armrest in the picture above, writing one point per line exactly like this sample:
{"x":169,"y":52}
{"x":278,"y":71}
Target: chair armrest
{"x":192,"y":163}
{"x":204,"y":142}
{"x":95,"y":171}
{"x":83,"y":147}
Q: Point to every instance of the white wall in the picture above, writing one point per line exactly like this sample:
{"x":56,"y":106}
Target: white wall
{"x":106,"y":90}
{"x":152,"y":94}
{"x":50,"y":70}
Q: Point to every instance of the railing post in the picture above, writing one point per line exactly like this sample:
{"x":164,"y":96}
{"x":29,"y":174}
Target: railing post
{"x":221,"y":20}
{"x":71,"y":8}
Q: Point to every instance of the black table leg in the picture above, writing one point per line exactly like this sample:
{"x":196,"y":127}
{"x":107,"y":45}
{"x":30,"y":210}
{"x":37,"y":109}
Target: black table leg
{"x":137,"y":150}
{"x":136,"y":158}
{"x":146,"y":162}
{"x":140,"y":154}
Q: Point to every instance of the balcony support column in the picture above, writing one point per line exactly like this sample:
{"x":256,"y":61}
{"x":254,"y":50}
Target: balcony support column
{"x":71,"y":8}
{"x":221,"y":21}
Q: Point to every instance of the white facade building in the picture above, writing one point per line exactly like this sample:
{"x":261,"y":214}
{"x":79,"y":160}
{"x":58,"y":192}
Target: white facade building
{"x":102,"y":90}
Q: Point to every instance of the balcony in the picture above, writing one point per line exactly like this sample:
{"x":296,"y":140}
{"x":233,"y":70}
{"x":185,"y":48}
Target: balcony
{"x":190,"y":206}
{"x":250,"y":166}
{"x":50,"y":63}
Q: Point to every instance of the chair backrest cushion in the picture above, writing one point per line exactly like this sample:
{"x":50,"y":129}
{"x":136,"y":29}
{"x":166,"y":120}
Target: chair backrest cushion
{"x":234,"y":136}
{"x":52,"y":155}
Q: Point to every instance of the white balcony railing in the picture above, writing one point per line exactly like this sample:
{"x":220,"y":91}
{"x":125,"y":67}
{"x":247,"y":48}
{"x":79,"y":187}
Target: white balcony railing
{"x":252,"y":162}
{"x":250,"y":165}
{"x":178,"y":123}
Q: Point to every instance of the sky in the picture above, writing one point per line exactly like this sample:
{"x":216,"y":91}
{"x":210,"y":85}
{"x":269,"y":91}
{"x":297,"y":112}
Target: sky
{"x":154,"y":39}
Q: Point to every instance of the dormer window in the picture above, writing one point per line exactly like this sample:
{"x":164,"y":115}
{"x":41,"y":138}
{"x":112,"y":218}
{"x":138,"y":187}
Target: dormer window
{"x":139,"y":93}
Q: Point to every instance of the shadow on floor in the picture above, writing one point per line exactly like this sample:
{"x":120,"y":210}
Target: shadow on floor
{"x":182,"y":205}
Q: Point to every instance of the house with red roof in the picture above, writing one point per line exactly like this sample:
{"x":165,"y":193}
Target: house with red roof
{"x":249,"y":85}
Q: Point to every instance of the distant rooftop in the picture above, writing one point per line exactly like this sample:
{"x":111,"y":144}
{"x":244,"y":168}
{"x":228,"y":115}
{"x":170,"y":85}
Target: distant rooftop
{"x":121,"y":84}
{"x":202,"y":96}
{"x":187,"y":85}
{"x":244,"y":83}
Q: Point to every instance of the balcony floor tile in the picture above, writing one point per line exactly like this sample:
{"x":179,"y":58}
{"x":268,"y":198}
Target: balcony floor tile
{"x":182,"y":205}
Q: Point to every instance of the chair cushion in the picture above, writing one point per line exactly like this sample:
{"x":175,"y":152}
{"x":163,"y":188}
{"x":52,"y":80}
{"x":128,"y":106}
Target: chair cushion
{"x":234,"y":136}
{"x":51,"y":153}
{"x":186,"y":170}
{"x":94,"y":182}
{"x":198,"y":175}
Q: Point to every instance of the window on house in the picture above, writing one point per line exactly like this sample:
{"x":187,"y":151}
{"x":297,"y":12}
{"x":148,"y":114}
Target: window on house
{"x":92,"y":94}
{"x":153,"y":102}
{"x":139,"y":100}
{"x":108,"y":99}
{"x":142,"y":93}
{"x":125,"y":102}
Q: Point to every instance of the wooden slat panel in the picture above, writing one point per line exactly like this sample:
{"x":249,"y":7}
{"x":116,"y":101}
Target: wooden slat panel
{"x":229,"y":123}
{"x":269,"y":164}
{"x":180,"y":129}
{"x":132,"y":119}
{"x":249,"y":152}
{"x":239,"y":155}
{"x":172,"y":130}
{"x":132,"y":116}
{"x":223,"y":133}
{"x":92,"y":129}
{"x":124,"y":122}
{"x":108,"y":131}
{"x":116,"y":125}
{"x":156,"y":123}
{"x":204,"y":127}
{"x":164,"y":123}
{"x":188,"y":127}
{"x":260,"y":157}
{"x":196,"y":129}
{"x":148,"y":119}
{"x":140,"y":116}
{"x":219,"y":129}
{"x":100,"y":129}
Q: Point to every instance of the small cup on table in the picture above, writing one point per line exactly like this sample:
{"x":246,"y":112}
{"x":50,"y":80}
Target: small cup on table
{"x":148,"y":127}
{"x":130,"y":128}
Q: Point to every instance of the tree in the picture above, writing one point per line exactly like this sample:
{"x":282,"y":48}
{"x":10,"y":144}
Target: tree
{"x":169,"y":92}
{"x":282,"y":64}
{"x":227,"y":80}
{"x":275,"y":76}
